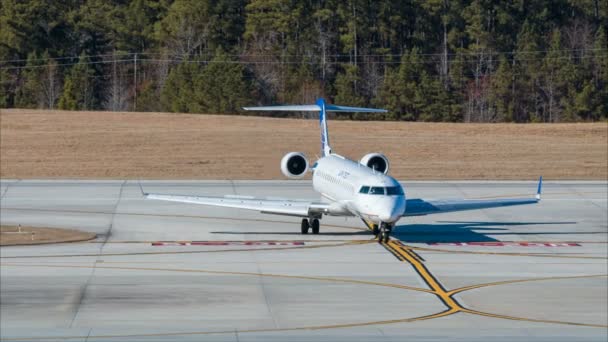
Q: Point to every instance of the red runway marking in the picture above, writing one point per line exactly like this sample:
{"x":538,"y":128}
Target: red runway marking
{"x":507,"y":244}
{"x":228,"y":243}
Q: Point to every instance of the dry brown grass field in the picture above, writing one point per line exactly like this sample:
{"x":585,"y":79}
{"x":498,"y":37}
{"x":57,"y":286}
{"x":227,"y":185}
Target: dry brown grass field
{"x":63,"y":144}
{"x":11,"y":235}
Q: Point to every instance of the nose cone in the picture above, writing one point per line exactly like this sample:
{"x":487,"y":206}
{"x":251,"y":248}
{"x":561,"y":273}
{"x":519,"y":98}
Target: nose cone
{"x":392,"y":213}
{"x":389,"y":217}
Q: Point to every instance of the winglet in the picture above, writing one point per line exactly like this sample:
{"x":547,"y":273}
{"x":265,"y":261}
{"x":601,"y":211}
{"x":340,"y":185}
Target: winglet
{"x":540,"y":188}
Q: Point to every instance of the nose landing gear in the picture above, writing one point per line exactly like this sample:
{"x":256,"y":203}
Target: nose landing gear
{"x":384,"y":232}
{"x":310,"y":223}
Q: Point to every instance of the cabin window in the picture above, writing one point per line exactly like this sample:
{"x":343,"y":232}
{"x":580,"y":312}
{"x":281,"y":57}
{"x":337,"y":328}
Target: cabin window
{"x":364,"y":190}
{"x":376,"y":190}
{"x":394,"y":190}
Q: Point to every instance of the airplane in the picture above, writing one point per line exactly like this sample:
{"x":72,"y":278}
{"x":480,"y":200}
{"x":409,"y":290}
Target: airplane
{"x":360,"y":189}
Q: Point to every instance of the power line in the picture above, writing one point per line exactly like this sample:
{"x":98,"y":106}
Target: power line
{"x":283,"y":62}
{"x":65,"y":57}
{"x":244,"y":55}
{"x":65,"y":64}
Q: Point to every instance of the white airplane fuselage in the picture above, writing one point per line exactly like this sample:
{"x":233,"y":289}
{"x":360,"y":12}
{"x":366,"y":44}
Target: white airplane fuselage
{"x":358,"y":189}
{"x":347,"y":187}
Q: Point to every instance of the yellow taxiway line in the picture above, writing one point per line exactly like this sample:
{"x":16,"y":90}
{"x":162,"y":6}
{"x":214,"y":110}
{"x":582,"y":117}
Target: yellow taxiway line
{"x":413,"y":259}
{"x":405,"y":253}
{"x":402,"y":252}
{"x":540,"y":255}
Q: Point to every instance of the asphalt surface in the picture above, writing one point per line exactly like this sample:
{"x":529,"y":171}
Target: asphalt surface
{"x":161,"y":271}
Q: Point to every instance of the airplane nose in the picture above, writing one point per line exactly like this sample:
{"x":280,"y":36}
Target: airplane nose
{"x":392,"y":212}
{"x":385,"y":217}
{"x":390,"y":215}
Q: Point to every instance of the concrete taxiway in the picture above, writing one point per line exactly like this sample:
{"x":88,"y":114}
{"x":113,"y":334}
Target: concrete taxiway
{"x":162,"y":271}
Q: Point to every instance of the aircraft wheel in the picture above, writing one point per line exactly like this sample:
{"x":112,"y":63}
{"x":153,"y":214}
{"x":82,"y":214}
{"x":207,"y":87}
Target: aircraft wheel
{"x":315,"y":226}
{"x":384,"y":234}
{"x":387,"y":233}
{"x":305,"y":226}
{"x":375,"y":230}
{"x":381,"y":234}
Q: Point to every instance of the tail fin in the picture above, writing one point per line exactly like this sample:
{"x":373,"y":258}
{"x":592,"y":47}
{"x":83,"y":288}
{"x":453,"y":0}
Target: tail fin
{"x":325,"y":148}
{"x":322,"y":108}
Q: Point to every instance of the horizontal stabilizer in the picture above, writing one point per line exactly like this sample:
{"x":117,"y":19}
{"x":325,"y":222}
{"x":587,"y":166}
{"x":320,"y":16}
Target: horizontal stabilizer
{"x":290,"y":108}
{"x":316,"y":108}
{"x":321,"y":107}
{"x":334,"y":108}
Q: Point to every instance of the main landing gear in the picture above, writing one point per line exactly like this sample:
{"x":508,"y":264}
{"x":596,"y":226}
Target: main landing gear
{"x":310,"y":223}
{"x":383,"y":233}
{"x":375,"y":230}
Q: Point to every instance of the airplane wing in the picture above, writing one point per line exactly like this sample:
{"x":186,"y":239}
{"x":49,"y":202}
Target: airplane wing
{"x":300,"y":208}
{"x":418,"y":207}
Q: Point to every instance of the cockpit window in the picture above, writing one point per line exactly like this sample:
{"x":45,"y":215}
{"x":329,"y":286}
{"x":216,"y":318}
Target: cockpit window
{"x":376,"y":190}
{"x":394,"y":190}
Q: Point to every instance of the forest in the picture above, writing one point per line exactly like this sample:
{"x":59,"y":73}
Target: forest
{"x":423,"y":60}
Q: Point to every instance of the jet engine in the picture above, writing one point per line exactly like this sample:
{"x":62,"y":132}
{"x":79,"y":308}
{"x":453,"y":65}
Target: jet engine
{"x":376,"y":161}
{"x":294,"y":165}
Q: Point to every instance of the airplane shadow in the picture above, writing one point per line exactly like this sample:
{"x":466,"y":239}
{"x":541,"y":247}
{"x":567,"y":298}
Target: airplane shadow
{"x":456,"y":231}
{"x":446,"y":231}
{"x":350,"y":233}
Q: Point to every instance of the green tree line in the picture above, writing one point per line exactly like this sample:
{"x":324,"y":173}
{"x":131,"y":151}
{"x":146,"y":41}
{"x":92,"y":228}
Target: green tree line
{"x":423,"y":60}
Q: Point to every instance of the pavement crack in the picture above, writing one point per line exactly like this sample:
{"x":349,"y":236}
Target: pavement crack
{"x":83,"y":294}
{"x":88,"y":335}
{"x":265,"y":293}
{"x":580,"y":194}
{"x":114,"y":210}
{"x":233,"y":185}
{"x":8,"y":185}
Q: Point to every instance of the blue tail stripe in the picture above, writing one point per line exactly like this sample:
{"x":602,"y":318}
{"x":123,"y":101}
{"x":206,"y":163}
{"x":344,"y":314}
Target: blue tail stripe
{"x":325,"y":149}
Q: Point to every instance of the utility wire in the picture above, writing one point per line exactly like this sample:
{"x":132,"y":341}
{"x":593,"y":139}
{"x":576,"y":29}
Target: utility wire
{"x":283,"y":62}
{"x":244,"y":55}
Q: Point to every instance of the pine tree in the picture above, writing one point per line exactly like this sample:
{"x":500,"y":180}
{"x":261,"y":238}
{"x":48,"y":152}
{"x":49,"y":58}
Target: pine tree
{"x":346,"y":87}
{"x":134,"y":24}
{"x":185,"y":29}
{"x":295,"y":51}
{"x":600,"y":75}
{"x":28,"y":94}
{"x":78,"y":90}
{"x":502,"y":91}
{"x":556,"y":76}
{"x":527,"y":68}
{"x":222,"y":86}
{"x":178,"y":93}
{"x":400,"y":90}
{"x":268,"y":27}
{"x":6,"y":96}
{"x":430,"y":99}
{"x":41,"y":83}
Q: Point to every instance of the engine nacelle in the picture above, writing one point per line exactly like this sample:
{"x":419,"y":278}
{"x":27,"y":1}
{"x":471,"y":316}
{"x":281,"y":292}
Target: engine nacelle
{"x":294,"y":165}
{"x":376,"y":161}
